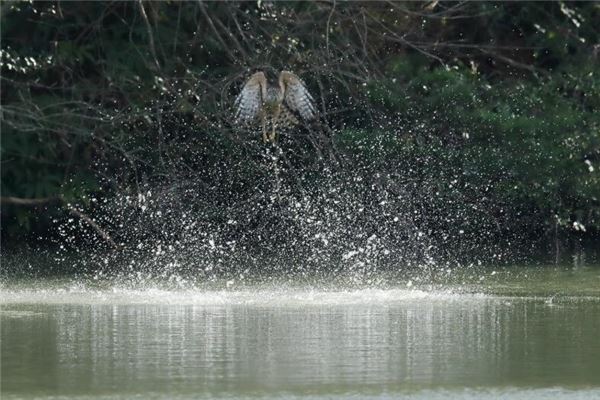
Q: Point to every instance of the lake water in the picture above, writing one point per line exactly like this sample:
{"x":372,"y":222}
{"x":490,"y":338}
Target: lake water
{"x":526,"y":335}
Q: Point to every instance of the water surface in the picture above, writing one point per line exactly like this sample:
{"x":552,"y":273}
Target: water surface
{"x":532,"y":334}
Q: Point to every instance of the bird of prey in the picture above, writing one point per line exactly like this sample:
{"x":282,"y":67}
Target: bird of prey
{"x":275,"y":104}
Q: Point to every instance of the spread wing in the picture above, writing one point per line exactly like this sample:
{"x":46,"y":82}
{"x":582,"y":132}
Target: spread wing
{"x":249,"y":101}
{"x":296,"y":96}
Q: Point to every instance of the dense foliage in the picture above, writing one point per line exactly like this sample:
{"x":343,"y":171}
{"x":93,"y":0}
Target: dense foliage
{"x":486,"y":113}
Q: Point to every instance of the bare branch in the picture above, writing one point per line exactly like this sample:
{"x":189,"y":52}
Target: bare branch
{"x":214,"y":29}
{"x":59,"y":200}
{"x":150,"y":34}
{"x":92,"y":224}
{"x":327,"y":27}
{"x":18,"y":201}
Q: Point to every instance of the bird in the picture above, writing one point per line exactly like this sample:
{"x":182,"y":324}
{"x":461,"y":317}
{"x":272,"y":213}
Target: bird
{"x":278,"y":103}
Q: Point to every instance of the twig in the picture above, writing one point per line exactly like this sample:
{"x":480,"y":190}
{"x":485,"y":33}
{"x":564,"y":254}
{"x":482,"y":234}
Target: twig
{"x":59,"y":200}
{"x":327,"y":27}
{"x":150,"y":35}
{"x":176,"y":31}
{"x":214,"y":29}
{"x":28,"y":202}
{"x":510,"y":61}
{"x":235,"y":41}
{"x":92,"y":224}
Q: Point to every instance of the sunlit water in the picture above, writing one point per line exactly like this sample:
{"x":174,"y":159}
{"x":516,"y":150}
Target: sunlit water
{"x":532,"y":334}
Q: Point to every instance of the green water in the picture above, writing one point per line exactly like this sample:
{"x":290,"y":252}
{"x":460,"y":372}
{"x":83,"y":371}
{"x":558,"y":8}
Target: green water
{"x":529,"y":334}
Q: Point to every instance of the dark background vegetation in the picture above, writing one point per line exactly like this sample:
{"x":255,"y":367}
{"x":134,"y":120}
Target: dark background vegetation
{"x":483,"y":116}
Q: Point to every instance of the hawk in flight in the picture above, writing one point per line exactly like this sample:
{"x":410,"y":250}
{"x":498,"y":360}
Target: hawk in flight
{"x":275,"y":104}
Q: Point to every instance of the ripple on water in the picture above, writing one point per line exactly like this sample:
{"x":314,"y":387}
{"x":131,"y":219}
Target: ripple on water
{"x":556,"y":393}
{"x":224,"y":297}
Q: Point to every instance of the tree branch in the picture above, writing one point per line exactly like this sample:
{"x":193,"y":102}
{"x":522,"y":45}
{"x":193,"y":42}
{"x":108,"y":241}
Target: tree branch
{"x":18,"y":201}
{"x":150,"y":35}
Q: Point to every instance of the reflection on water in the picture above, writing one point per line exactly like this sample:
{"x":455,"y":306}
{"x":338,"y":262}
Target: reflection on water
{"x":366,"y":342}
